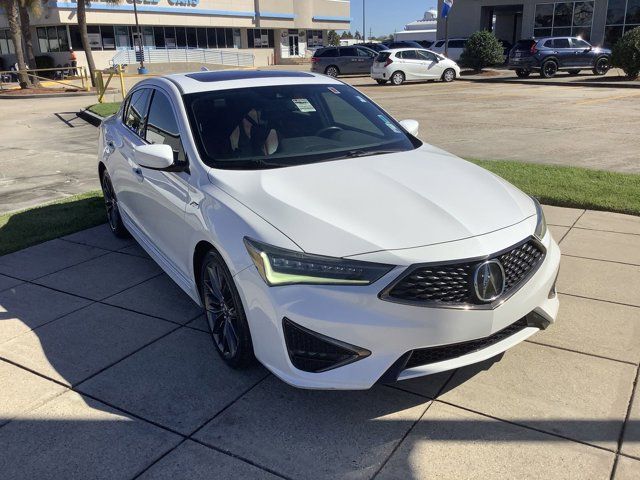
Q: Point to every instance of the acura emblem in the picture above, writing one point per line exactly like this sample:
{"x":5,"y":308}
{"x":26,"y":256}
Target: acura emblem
{"x":489,"y":280}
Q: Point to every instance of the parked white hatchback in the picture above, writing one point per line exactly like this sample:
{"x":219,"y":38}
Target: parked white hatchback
{"x":402,"y":64}
{"x":321,"y":236}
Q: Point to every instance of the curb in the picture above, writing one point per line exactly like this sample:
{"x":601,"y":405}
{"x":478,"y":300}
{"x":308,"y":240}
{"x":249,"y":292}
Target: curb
{"x":47,"y":95}
{"x":552,"y":82}
{"x":90,"y":117}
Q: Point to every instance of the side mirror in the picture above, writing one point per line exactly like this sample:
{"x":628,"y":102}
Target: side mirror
{"x":156,"y":156}
{"x":411,"y":126}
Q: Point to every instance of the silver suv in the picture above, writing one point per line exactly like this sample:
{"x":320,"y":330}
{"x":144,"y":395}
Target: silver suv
{"x":334,"y":61}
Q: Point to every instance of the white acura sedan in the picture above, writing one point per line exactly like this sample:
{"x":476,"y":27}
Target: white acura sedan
{"x":320,"y":235}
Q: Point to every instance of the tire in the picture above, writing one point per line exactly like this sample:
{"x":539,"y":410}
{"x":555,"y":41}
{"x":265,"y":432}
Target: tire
{"x":548,"y":69}
{"x":522,"y":73}
{"x":381,"y":82}
{"x":224,"y":312}
{"x":332,"y":71}
{"x":397,"y":78}
{"x":602,"y":66}
{"x":113,"y":210}
{"x":574,"y":72}
{"x":449,"y":75}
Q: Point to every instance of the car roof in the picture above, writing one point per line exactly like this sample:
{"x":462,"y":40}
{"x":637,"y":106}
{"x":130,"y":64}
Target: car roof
{"x":227,"y":79}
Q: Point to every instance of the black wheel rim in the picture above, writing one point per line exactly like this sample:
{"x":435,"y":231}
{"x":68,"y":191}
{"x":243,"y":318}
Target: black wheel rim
{"x":603,"y":65}
{"x":550,"y":68}
{"x":110,"y":203}
{"x":221,"y":311}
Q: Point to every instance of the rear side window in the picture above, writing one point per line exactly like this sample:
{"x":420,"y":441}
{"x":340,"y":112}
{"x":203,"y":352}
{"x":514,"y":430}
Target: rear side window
{"x":561,"y":43}
{"x":328,"y":52}
{"x":523,"y":45}
{"x":136,"y":114}
{"x":162,"y":126}
{"x":408,"y":55}
{"x":439,"y":44}
{"x":548,"y":44}
{"x":383,"y":56}
{"x":457,"y":43}
{"x":348,"y":52}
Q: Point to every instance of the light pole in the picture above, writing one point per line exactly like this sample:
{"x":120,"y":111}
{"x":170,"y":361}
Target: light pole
{"x":364,"y":25}
{"x":141,"y":70}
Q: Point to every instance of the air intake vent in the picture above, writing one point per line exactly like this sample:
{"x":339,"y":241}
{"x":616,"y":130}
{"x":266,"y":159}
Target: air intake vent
{"x":313,"y":352}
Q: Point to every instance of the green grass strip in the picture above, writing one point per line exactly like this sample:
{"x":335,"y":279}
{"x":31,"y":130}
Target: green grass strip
{"x":104,"y":109}
{"x":572,"y":186}
{"x":36,"y":225}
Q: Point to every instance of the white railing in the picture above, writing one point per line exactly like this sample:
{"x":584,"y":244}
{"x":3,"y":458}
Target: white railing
{"x":181,"y":55}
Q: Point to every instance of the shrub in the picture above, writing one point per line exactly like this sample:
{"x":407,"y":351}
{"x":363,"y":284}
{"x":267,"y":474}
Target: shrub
{"x":626,"y":53}
{"x":483,"y":49}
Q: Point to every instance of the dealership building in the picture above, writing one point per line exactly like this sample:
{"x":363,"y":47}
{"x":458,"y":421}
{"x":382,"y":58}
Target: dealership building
{"x":601,"y":22}
{"x":266,"y":31}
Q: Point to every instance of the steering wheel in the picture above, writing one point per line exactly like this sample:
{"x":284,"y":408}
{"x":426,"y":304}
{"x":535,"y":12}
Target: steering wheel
{"x":328,"y":131}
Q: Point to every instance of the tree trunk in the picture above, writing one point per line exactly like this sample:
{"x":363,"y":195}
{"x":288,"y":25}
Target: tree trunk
{"x":28,"y":40}
{"x":13,"y":17}
{"x":84,"y":36}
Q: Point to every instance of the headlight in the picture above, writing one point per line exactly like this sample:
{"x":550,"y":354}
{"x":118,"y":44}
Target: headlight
{"x":541,"y":223}
{"x":278,"y":266}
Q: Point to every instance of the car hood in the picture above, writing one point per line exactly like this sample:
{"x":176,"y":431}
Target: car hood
{"x":383,"y":202}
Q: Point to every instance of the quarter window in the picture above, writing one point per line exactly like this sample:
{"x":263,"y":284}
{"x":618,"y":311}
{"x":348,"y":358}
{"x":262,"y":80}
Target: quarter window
{"x":136,"y":114}
{"x":162,"y":126}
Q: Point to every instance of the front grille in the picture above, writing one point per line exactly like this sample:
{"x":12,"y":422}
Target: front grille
{"x":425,"y":356}
{"x":313,"y":352}
{"x":452,"y":283}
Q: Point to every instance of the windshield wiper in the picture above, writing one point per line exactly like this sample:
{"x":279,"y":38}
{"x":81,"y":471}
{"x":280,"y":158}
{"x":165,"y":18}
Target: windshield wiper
{"x":366,"y":153}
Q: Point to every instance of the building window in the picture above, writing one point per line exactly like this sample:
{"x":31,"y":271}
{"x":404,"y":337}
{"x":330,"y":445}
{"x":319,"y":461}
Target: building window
{"x":260,"y":38}
{"x":314,"y":38}
{"x":564,"y":19}
{"x":6,"y":44}
{"x":53,"y":39}
{"x":622,"y":16}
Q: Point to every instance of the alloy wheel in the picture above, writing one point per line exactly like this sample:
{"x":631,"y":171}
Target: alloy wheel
{"x":332,"y":71}
{"x":110,"y":203}
{"x":549,"y":69}
{"x":397,"y":78}
{"x":602,"y":66}
{"x":449,"y":75}
{"x":221,"y":311}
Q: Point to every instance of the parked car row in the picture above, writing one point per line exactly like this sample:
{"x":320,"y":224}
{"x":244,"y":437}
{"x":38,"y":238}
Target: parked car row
{"x":395,"y":65}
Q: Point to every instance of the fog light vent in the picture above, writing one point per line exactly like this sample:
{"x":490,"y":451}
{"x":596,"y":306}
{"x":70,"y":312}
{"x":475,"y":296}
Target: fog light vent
{"x":313,"y":352}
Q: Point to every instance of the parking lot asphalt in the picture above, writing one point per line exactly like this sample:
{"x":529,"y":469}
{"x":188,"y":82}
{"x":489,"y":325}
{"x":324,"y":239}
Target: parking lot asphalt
{"x":49,"y":153}
{"x":106,"y":371}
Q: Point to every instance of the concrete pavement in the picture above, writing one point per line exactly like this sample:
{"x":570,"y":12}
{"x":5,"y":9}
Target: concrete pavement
{"x":107,"y":372}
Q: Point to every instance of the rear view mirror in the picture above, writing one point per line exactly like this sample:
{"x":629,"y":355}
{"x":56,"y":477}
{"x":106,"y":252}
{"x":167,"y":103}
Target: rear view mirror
{"x":411,"y":126}
{"x":156,"y":156}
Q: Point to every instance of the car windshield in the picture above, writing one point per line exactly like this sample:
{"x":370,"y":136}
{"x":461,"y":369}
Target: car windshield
{"x":287,"y":125}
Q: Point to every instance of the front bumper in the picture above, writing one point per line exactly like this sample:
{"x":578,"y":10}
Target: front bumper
{"x":356,"y":315}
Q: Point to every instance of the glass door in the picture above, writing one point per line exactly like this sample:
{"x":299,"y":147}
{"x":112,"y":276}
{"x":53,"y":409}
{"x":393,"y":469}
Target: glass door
{"x":294,"y":47}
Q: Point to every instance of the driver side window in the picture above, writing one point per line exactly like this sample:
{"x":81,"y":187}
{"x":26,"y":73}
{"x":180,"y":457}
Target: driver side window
{"x":136,"y":114}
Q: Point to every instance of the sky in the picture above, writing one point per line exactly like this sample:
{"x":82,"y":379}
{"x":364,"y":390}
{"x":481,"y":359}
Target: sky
{"x":386,"y":16}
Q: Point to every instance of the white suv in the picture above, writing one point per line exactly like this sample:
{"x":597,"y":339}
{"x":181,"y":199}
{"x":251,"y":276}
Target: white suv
{"x":456,"y":46}
{"x":402,"y":64}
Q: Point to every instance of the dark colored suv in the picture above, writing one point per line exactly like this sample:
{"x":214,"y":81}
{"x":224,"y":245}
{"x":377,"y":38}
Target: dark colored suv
{"x":549,"y":54}
{"x":334,"y":61}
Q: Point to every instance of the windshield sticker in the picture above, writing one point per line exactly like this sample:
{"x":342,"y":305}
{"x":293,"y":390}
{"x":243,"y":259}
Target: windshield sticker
{"x":334,"y":90}
{"x":361,"y":99}
{"x":389,"y":124}
{"x":303,"y":105}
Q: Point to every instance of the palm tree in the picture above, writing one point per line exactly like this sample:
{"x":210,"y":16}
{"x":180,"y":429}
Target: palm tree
{"x":26,"y":6}
{"x":84,"y":37}
{"x":12,"y":9}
